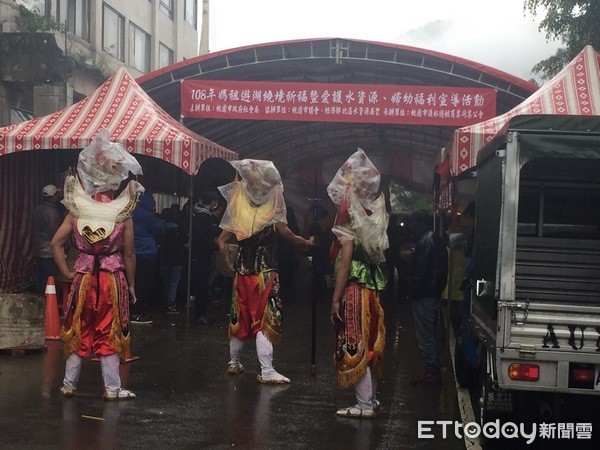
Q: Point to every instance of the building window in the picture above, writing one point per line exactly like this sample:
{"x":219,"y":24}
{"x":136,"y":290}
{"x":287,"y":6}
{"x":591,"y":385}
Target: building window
{"x":113,"y":33}
{"x":191,"y":12}
{"x":139,"y":49}
{"x":165,"y":56}
{"x":166,"y":6}
{"x":76,"y":15}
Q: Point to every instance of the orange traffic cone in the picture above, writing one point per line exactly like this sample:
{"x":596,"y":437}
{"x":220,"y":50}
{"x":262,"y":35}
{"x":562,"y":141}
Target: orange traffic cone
{"x":127,"y":344}
{"x":52,"y":319}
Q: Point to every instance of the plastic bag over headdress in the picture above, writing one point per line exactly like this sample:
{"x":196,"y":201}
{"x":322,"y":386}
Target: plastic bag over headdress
{"x":254,"y":199}
{"x":104,"y":164}
{"x":361,"y":212}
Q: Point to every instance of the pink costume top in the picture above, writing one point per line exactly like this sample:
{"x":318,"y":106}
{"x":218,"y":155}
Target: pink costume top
{"x":105,"y":254}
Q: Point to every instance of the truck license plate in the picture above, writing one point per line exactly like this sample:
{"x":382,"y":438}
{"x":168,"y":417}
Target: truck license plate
{"x":597,"y":377}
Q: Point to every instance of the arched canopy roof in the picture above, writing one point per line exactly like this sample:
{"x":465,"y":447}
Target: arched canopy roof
{"x":293,"y":145}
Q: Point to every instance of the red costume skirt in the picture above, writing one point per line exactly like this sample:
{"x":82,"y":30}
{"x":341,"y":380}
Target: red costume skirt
{"x":256,"y":306}
{"x":360,"y":336}
{"x":93,"y":320}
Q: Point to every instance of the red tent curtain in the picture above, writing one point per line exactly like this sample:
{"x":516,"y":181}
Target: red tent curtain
{"x":21,"y":183}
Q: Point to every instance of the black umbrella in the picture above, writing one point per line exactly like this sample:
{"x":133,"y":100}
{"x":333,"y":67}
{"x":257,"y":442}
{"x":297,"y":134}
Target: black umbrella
{"x":213,"y":172}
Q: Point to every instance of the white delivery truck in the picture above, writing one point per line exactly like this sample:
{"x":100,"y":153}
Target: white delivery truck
{"x":535,"y":299}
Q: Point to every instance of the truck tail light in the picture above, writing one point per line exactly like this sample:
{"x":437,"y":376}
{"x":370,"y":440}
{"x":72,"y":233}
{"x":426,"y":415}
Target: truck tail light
{"x":524,"y":372}
{"x":582,"y":375}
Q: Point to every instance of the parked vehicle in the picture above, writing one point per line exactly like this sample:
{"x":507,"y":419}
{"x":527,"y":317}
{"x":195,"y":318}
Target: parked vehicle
{"x":535,"y":301}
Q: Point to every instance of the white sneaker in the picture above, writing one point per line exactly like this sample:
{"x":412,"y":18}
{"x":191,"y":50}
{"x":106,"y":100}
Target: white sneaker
{"x":356,"y":412}
{"x":273,"y":378}
{"x":121,"y":394}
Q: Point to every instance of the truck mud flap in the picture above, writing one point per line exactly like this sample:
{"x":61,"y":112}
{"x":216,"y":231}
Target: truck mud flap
{"x":499,"y":400}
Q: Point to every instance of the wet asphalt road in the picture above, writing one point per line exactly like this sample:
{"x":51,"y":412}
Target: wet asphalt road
{"x":186,"y":400}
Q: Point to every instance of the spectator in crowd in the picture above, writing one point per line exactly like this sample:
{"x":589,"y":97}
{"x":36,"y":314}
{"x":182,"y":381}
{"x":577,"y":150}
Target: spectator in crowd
{"x":286,"y":253}
{"x":217,"y":282}
{"x":172,"y":256}
{"x":46,"y":220}
{"x":428,"y":279}
{"x":321,"y":230}
{"x":392,"y":254}
{"x":205,"y":230}
{"x":148,"y":230}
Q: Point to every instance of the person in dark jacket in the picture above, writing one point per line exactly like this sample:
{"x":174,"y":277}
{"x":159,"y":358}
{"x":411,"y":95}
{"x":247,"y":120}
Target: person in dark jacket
{"x":172,"y":256}
{"x":205,"y":230}
{"x":147,"y":231}
{"x":429,"y":276}
{"x":287,"y":254}
{"x":46,"y":220}
{"x":321,"y":230}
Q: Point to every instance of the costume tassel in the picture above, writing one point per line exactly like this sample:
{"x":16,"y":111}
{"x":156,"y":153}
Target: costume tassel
{"x":115,"y":336}
{"x":72,"y":336}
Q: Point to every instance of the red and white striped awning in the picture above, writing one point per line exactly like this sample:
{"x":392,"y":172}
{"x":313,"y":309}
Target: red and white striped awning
{"x":132,"y":118}
{"x":574,"y":91}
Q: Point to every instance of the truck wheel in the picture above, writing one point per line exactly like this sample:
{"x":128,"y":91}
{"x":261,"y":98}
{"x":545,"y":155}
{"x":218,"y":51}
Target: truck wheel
{"x":465,"y":375}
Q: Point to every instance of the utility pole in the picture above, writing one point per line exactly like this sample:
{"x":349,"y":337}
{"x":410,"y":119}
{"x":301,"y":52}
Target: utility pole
{"x":204,"y":30}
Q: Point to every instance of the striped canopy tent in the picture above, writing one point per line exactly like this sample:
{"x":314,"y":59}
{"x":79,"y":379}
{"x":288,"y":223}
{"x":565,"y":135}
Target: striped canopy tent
{"x":131,"y":117}
{"x":573,"y":91}
{"x":38,"y":152}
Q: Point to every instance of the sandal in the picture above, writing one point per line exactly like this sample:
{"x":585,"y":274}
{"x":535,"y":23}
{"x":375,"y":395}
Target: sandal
{"x":276,"y":378}
{"x":234,"y":368}
{"x":357,"y":412}
{"x":121,"y":394}
{"x":67,"y":391}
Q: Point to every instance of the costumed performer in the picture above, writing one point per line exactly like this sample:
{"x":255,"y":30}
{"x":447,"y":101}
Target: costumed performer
{"x":361,"y":238}
{"x":97,"y":308}
{"x":255,"y":212}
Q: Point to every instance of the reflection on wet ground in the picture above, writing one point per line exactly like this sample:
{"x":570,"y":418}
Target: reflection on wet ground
{"x":186,"y":399}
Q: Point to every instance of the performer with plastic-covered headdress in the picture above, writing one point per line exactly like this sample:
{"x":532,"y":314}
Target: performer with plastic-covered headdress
{"x":255,"y":212}
{"x":361,"y":239}
{"x":97,"y":308}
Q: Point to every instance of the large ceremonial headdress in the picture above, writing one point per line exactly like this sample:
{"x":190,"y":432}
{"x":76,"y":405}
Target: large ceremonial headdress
{"x":254,"y":199}
{"x":361,"y":209}
{"x":101,"y":167}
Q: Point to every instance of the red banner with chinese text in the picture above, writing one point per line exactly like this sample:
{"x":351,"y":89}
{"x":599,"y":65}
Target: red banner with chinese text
{"x":325,"y":102}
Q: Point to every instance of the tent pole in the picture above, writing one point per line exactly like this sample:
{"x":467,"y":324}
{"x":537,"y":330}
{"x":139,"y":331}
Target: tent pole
{"x":188,"y":297}
{"x":313,"y":340}
{"x":189,"y":265}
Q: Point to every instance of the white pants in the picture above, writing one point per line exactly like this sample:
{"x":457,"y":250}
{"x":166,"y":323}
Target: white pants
{"x":365,"y":390}
{"x":110,"y":371}
{"x":264,"y":350}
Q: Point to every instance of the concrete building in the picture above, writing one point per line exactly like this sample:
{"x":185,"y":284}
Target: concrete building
{"x":101,"y":36}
